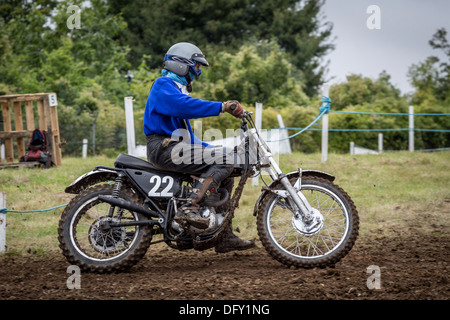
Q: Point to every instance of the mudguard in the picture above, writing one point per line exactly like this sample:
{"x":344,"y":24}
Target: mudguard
{"x":91,"y":178}
{"x":305,"y":173}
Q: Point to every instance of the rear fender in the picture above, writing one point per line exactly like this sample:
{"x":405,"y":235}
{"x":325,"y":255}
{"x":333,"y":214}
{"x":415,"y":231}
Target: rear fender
{"x":305,"y":173}
{"x":90,"y":179}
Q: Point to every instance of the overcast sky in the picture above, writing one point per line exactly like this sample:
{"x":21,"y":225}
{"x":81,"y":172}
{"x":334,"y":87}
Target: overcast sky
{"x":406,"y":28}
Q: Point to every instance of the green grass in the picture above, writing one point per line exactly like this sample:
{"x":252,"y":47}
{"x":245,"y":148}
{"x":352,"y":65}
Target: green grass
{"x":394,"y":193}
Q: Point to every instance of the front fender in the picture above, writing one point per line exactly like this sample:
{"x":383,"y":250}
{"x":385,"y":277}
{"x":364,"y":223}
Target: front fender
{"x":294,"y":174}
{"x":91,"y":178}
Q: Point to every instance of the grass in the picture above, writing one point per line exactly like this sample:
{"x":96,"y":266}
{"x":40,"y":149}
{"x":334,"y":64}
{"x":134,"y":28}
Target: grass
{"x":395,"y":193}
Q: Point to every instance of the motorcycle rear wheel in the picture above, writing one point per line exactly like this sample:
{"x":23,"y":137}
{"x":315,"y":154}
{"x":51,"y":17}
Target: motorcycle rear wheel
{"x":324,"y":243}
{"x":83,"y":241}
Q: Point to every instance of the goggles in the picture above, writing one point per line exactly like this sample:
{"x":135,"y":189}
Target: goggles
{"x":188,"y":62}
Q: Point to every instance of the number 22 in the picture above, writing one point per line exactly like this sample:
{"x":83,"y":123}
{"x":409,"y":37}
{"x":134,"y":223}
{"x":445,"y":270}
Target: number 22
{"x":157,"y":184}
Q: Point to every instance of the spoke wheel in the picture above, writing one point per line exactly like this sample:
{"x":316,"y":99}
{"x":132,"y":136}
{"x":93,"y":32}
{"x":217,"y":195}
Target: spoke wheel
{"x":324,"y":240}
{"x":87,"y":240}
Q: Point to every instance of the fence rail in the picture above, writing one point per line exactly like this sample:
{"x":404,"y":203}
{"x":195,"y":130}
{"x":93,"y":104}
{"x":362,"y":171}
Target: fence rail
{"x":325,"y":127}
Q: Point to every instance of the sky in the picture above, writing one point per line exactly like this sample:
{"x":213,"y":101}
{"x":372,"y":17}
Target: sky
{"x":406,"y":26}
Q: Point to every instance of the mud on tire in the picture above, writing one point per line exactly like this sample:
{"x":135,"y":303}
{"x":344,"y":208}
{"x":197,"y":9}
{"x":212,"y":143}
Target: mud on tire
{"x":84,"y":244}
{"x":324,"y":246}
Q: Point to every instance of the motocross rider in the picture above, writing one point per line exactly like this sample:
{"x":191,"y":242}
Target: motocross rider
{"x":166,"y":121}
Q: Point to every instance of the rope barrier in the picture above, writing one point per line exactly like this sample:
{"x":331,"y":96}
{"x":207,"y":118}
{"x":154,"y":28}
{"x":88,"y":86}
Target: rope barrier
{"x":392,"y":113}
{"x":343,"y":130}
{"x":4,"y":210}
{"x":325,"y":108}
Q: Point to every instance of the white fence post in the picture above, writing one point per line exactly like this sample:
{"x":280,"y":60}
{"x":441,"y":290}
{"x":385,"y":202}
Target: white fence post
{"x":129,"y":118}
{"x":84,"y":148}
{"x":2,"y":222}
{"x":352,"y":148}
{"x":258,"y":124}
{"x":380,"y":142}
{"x":411,"y":129}
{"x":2,"y":150}
{"x":283,"y":134}
{"x":325,"y":127}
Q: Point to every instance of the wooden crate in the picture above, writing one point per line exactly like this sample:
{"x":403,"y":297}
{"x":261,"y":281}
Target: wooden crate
{"x":23,"y":113}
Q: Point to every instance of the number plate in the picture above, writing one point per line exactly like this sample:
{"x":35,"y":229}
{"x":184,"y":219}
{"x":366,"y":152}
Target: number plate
{"x":156,"y":185}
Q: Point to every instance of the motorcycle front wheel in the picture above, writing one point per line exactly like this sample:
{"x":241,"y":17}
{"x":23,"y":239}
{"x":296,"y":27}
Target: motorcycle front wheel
{"x":320,"y":243}
{"x":86,"y":242}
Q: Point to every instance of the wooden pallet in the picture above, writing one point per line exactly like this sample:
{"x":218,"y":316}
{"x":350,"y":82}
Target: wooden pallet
{"x":20,"y":165}
{"x":23,"y":113}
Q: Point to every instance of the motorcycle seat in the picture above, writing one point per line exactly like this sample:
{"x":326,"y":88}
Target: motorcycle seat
{"x":126,"y":161}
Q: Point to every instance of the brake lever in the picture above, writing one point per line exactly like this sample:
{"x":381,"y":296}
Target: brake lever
{"x":245,"y":113}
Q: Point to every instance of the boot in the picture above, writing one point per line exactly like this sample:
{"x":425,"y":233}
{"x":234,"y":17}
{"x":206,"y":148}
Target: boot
{"x":189,"y":212}
{"x":232,"y":242}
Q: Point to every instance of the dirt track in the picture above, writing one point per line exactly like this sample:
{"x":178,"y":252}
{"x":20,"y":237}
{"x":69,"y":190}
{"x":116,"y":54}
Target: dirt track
{"x":413,"y":268}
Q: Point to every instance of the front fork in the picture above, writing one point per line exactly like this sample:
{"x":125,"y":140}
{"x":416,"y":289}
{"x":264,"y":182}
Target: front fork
{"x":304,"y":208}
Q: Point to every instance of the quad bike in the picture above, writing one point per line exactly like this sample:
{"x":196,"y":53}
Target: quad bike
{"x":304,"y":220}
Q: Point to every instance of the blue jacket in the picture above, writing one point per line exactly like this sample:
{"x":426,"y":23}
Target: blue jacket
{"x":167,"y":107}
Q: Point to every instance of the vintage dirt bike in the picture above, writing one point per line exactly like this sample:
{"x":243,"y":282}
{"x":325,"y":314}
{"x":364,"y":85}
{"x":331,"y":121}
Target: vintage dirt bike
{"x":303,"y":218}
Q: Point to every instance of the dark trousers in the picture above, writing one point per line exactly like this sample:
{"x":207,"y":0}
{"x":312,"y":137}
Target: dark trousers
{"x":195,"y":159}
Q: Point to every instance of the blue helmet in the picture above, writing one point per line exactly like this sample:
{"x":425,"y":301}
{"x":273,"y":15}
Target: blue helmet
{"x":181,"y":59}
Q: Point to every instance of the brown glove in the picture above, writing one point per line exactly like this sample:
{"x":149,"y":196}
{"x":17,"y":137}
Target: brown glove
{"x":233,"y":107}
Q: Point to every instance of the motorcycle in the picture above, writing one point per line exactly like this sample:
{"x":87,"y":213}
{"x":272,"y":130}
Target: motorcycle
{"x":303,"y":218}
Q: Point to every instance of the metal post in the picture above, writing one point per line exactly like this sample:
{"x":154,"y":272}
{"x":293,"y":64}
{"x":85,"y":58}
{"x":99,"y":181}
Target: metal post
{"x":129,"y":118}
{"x":258,"y":124}
{"x":352,"y":148}
{"x":325,"y":128}
{"x":84,"y":149}
{"x":2,"y":222}
{"x":411,"y":129}
{"x":380,"y":142}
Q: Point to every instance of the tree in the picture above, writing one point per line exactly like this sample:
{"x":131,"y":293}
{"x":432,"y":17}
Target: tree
{"x":359,"y":90}
{"x":257,"y":72}
{"x":85,"y":67}
{"x":224,"y":26}
{"x":431,"y":78}
{"x":361,"y":93}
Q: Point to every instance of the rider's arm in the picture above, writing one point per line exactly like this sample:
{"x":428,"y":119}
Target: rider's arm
{"x":171,"y":102}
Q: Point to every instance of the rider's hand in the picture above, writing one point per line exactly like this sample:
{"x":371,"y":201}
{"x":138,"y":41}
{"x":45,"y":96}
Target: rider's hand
{"x":233,"y":107}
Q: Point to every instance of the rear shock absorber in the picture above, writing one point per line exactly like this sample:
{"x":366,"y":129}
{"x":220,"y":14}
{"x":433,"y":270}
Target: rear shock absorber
{"x":116,"y":192}
{"x":117,"y":186}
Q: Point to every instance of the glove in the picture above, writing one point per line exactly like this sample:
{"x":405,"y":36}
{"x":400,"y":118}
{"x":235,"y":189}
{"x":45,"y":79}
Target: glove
{"x":233,"y":107}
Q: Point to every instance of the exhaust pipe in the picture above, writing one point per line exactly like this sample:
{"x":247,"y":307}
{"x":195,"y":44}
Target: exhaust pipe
{"x":128,"y":205}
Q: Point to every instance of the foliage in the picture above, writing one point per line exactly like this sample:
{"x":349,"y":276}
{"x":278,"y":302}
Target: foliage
{"x":224,"y":26}
{"x":258,"y":72}
{"x":431,"y":78}
{"x":259,"y":51}
{"x":360,"y":93}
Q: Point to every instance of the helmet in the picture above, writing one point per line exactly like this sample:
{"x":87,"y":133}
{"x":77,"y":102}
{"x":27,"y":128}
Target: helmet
{"x":181,"y":59}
